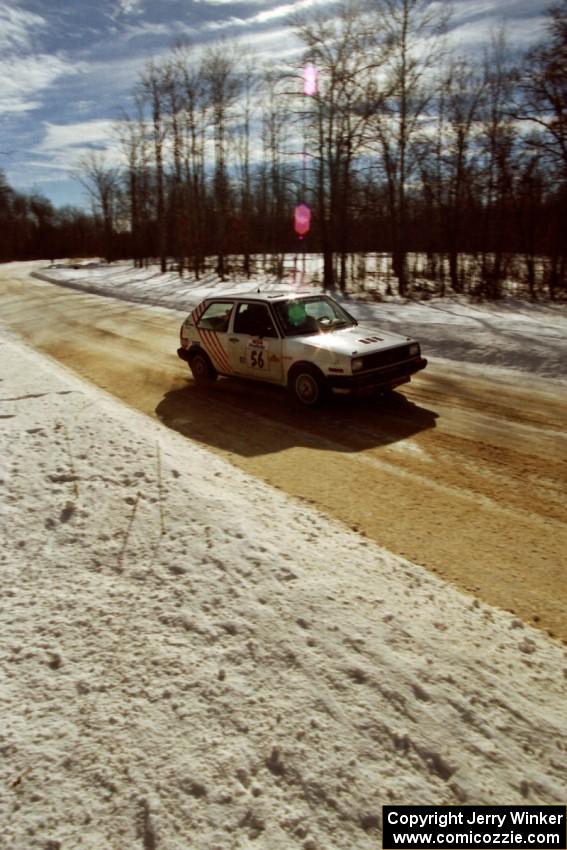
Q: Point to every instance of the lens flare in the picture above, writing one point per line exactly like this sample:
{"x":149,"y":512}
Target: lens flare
{"x":302,"y":220}
{"x":310,"y":74}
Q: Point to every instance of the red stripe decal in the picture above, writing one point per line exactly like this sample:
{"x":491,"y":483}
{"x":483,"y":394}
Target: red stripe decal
{"x":214,"y":349}
{"x":198,"y":312}
{"x":207,"y":346}
{"x":211,"y":345}
{"x":221,"y":352}
{"x":223,"y":359}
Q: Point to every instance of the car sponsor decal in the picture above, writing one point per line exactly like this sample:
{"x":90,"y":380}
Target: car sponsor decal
{"x":257,"y":353}
{"x":257,"y":342}
{"x":212,"y":345}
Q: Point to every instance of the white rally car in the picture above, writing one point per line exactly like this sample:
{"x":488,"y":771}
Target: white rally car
{"x":306,"y":342}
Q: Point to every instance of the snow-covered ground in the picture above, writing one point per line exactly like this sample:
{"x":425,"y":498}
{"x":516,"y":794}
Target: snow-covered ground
{"x":192,"y":660}
{"x":509,"y":333}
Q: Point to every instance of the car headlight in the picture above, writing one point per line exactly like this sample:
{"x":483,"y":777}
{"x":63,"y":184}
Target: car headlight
{"x":357,"y":364}
{"x":414,"y":349}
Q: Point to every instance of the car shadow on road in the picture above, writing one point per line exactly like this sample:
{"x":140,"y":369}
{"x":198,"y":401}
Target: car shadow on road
{"x":257,"y":419}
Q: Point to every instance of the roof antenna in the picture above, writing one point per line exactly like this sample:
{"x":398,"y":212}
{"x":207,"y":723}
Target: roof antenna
{"x":258,"y":290}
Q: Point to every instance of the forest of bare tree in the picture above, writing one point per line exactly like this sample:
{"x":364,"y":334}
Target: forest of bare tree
{"x":454,"y":166}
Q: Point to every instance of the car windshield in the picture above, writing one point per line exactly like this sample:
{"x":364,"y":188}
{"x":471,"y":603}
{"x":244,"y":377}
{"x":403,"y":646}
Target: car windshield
{"x":312,"y":315}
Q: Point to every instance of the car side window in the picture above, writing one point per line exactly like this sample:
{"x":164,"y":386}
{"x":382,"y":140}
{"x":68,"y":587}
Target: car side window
{"x":254,"y":319}
{"x":216,"y":317}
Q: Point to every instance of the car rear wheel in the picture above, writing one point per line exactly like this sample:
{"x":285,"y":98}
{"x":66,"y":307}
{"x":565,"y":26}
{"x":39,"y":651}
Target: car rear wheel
{"x":307,"y":385}
{"x":202,"y":369}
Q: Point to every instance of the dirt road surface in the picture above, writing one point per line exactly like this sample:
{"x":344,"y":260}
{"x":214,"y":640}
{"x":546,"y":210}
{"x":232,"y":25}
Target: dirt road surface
{"x":466,"y":475}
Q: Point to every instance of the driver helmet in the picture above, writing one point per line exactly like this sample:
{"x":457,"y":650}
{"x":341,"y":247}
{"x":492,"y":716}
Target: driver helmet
{"x":296,"y":313}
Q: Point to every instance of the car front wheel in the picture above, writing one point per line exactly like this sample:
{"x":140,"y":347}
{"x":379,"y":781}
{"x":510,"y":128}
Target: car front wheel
{"x":307,"y":386}
{"x":202,"y":369}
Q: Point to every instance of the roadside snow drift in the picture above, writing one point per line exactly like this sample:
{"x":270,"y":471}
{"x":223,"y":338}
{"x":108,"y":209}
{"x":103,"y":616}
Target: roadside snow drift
{"x":191,"y":660}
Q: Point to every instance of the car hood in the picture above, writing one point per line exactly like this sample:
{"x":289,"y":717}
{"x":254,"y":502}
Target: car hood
{"x":352,"y":342}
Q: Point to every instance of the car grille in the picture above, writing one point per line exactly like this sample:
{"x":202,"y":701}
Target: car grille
{"x":380,"y":359}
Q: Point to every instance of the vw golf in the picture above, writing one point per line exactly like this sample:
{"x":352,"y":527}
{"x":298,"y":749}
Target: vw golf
{"x":306,"y":342}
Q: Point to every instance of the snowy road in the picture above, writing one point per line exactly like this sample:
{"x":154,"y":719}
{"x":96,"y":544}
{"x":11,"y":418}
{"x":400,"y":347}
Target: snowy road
{"x":468,"y":478}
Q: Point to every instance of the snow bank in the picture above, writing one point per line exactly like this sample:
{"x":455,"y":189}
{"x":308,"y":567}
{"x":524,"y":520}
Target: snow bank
{"x":507,"y":334}
{"x":193,"y":660}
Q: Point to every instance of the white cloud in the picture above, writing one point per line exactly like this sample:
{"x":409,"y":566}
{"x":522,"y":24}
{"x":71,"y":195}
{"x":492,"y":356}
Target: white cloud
{"x":83,"y":133}
{"x":473,"y":9}
{"x":230,"y":2}
{"x":14,"y":104}
{"x":63,"y":146}
{"x":17,"y":27}
{"x":213,"y":26}
{"x":28,"y":76}
{"x":113,"y":80}
{"x":286,"y":10}
{"x":52,"y":170}
{"x":129,"y":7}
{"x":149,"y":29}
{"x":477,"y":34}
{"x":84,"y":106}
{"x":266,"y":38}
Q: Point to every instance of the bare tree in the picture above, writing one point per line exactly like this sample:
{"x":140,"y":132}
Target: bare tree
{"x":412,"y":30}
{"x":175,"y":106}
{"x":342,"y":47}
{"x":222,"y":89}
{"x":543,"y":102}
{"x":131,"y":134}
{"x":193,"y":128}
{"x":249,"y":83}
{"x":274,"y":179}
{"x":102,"y":183}
{"x":391,"y":152}
{"x":153,"y":85}
{"x":543,"y":90}
{"x":531,"y":217}
{"x":498,"y":139}
{"x":463,"y":91}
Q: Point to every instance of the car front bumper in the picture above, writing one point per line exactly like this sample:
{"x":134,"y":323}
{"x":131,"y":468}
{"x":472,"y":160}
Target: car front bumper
{"x":377,"y":379}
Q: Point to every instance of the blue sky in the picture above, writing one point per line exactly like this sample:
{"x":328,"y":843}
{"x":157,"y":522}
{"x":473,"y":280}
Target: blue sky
{"x":69,"y":66}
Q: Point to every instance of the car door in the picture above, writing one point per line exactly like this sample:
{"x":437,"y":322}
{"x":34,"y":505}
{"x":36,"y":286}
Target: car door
{"x":254,"y":346}
{"x":212,"y":327}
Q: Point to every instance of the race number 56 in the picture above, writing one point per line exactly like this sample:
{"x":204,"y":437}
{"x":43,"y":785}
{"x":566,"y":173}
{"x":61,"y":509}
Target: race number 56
{"x":257,"y":358}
